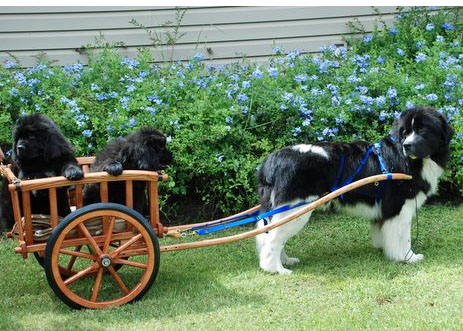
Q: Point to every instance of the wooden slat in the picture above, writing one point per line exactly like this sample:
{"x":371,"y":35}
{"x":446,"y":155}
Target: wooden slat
{"x":79,"y":196}
{"x":26,"y":200}
{"x":53,"y":207}
{"x":93,"y":177}
{"x":154,"y":208}
{"x":104,"y":191}
{"x":129,"y":193}
{"x":17,"y":213}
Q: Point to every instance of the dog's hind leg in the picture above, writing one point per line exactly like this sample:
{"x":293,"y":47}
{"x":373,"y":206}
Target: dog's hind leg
{"x":271,"y":245}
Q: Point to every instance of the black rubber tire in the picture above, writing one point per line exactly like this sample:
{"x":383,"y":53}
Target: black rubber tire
{"x":88,"y":209}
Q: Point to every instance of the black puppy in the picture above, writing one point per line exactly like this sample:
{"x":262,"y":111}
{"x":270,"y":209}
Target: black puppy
{"x":40,"y":150}
{"x":144,"y":149}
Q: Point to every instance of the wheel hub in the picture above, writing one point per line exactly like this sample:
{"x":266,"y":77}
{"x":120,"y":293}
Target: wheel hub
{"x":105,"y":261}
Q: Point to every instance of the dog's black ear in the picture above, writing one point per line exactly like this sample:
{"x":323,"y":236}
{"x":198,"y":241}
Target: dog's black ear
{"x":448,"y":133}
{"x":447,"y":129}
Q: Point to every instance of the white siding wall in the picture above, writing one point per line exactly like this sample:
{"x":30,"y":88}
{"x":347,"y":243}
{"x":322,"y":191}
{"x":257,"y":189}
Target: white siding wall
{"x":220,"y":33}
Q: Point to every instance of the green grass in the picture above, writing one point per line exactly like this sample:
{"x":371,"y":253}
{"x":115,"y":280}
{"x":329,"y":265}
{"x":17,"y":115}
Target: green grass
{"x":340,"y":283}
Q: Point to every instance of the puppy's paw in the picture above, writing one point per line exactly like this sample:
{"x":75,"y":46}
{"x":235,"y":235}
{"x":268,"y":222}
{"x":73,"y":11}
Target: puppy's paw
{"x":73,"y":172}
{"x":114,"y":168}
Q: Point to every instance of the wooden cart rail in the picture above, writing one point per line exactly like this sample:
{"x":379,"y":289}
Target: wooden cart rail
{"x":284,"y":220}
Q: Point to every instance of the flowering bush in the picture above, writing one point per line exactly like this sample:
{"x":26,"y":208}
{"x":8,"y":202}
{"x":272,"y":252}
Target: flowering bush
{"x":222,"y":120}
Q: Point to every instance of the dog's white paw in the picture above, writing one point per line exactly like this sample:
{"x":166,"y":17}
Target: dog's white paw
{"x":284,"y":271}
{"x":415,"y":258}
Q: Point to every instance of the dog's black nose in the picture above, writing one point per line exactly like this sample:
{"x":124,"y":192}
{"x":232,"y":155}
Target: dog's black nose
{"x":407,"y":146}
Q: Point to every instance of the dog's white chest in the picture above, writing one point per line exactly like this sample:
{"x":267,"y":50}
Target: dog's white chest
{"x":431,"y":172}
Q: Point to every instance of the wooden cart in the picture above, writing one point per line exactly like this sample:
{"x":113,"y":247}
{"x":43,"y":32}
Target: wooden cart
{"x":107,"y":254}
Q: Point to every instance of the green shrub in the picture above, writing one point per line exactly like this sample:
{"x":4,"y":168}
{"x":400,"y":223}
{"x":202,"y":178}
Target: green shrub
{"x":222,"y":120}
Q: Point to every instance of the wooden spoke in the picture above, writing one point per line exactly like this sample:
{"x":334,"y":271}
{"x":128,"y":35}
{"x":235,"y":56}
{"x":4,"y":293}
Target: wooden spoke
{"x":76,"y":254}
{"x":89,"y":237}
{"x":96,"y":287}
{"x":118,"y":280}
{"x":81,"y":274}
{"x":129,"y":243}
{"x":109,"y":233}
{"x":73,"y":258}
{"x":130,"y":263}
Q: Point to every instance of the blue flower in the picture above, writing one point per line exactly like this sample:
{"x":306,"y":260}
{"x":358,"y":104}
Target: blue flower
{"x":9,"y":64}
{"x":440,"y":39}
{"x":419,"y":44}
{"x":448,"y":27}
{"x":393,"y":31}
{"x":246,"y":84}
{"x":219,"y":157}
{"x":102,"y":96}
{"x":87,"y":133}
{"x":94,"y":87}
{"x":276,"y":50}
{"x":362,"y":89}
{"x":367,"y":38}
{"x":296,"y":131}
{"x":391,"y":93}
{"x":283,"y":107}
{"x":335,"y":101}
{"x":288,"y":96}
{"x":273,"y":72}
{"x":198,"y":57}
{"x":300,"y":78}
{"x":429,"y":27}
{"x":38,"y":108}
{"x":366,"y":100}
{"x":113,"y":95}
{"x":420,"y":57}
{"x":380,"y":60}
{"x":293,"y":54}
{"x":383,"y":116}
{"x":129,"y":63}
{"x":229,"y":120}
{"x":242,"y":98}
{"x":14,"y":92}
{"x":431,"y":97}
{"x":152,"y":110}
{"x":257,"y":74}
{"x":419,"y":86}
{"x":125,"y":102}
{"x":143,"y":74}
{"x":132,"y":122}
{"x":131,"y":88}
{"x":401,"y":52}
{"x":333,"y":89}
{"x":409,"y":105}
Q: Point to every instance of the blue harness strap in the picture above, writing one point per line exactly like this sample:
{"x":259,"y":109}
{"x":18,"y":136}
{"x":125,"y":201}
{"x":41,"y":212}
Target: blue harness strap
{"x":201,"y":231}
{"x":376,"y":148}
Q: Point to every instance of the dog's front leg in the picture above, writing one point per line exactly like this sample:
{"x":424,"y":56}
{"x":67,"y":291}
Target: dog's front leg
{"x":396,"y":236}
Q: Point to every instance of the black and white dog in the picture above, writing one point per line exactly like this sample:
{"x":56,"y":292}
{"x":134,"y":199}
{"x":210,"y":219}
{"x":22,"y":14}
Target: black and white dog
{"x":418,"y":145}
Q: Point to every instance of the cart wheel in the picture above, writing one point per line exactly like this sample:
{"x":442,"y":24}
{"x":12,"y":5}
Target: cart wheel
{"x":92,"y":260}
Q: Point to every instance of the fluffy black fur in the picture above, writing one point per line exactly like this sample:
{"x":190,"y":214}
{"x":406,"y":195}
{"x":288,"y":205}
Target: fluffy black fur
{"x":144,"y":149}
{"x":40,"y":150}
{"x":290,"y":174}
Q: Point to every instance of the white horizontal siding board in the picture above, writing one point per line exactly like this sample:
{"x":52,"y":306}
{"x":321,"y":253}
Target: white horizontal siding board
{"x":72,"y":9}
{"x":154,"y":18}
{"x":260,"y":48}
{"x":228,"y":32}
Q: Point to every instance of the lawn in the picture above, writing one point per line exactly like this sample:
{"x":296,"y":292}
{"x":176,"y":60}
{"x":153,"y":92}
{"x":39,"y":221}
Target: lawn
{"x":340,"y":283}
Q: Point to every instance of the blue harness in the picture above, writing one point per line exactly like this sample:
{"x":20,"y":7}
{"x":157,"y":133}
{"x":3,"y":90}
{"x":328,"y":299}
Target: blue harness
{"x":255,"y":217}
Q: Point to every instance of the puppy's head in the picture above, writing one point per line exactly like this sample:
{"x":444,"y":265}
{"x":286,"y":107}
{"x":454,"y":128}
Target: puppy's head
{"x":37,"y":137}
{"x":148,"y":150}
{"x":423,"y":133}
